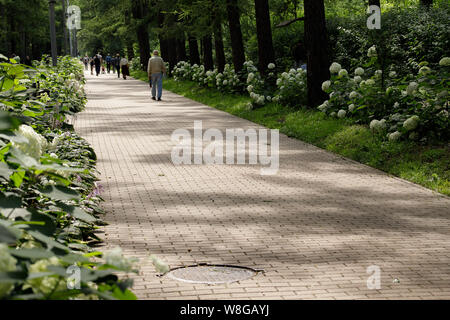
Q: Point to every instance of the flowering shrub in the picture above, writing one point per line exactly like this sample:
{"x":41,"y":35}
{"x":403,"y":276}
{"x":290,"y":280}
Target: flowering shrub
{"x":49,"y":195}
{"x":414,"y":107}
{"x":292,"y":88}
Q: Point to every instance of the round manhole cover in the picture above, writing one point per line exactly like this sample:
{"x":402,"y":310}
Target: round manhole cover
{"x":211,"y":274}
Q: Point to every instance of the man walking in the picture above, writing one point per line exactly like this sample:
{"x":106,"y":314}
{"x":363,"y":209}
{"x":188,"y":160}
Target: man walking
{"x":117,"y":65}
{"x":156,"y":69}
{"x":108,"y":63}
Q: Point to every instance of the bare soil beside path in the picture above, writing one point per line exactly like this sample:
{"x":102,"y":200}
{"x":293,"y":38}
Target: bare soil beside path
{"x":315,"y":227}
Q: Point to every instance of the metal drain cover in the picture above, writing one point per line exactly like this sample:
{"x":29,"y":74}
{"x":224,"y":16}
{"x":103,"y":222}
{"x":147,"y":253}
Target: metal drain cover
{"x":209,"y":274}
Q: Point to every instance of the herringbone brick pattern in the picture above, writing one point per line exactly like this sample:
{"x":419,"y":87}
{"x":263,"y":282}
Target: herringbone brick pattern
{"x":314,"y":227}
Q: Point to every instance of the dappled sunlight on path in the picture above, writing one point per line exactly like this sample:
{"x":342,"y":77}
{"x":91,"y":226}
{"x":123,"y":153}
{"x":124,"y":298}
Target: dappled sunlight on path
{"x":314,"y":227}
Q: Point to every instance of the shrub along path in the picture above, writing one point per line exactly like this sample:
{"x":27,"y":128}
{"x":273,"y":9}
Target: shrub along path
{"x":315,"y":227}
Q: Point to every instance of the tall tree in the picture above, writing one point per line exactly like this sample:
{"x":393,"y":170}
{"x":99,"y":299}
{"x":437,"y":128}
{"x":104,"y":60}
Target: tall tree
{"x":218,"y":37}
{"x":194,"y":56}
{"x":208,"y":53}
{"x":140,"y":12}
{"x":237,"y":44}
{"x":264,"y":33}
{"x":316,"y":40}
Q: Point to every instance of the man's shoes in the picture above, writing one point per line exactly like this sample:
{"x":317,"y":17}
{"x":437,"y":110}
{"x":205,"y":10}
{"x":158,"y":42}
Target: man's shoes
{"x":153,"y":98}
{"x":159,"y":99}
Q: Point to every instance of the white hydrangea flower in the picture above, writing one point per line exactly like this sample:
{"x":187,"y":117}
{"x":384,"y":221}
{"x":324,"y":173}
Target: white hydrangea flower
{"x":351,"y":107}
{"x":250,"y":88}
{"x":343,"y":73}
{"x":358,"y":79}
{"x":326,"y":85}
{"x":412,"y":87}
{"x":269,"y":98}
{"x":279,"y":81}
{"x":445,"y":62}
{"x":424,"y":71}
{"x":335,"y":67}
{"x":48,"y":284}
{"x":396,"y":105}
{"x":341,"y":114}
{"x":370,"y":82}
{"x":359,"y":71}
{"x":333,"y":114}
{"x":395,"y":136}
{"x":7,"y":264}
{"x":36,"y":144}
{"x":411,"y":123}
{"x":225,"y":82}
{"x":116,"y":258}
{"x":271,"y":66}
{"x":353,"y":95}
{"x":160,"y":265}
{"x":372,"y":52}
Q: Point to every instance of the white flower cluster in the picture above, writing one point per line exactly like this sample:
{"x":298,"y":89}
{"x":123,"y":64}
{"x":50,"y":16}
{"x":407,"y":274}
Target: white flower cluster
{"x":45,"y":284}
{"x":291,"y":84}
{"x":445,"y":62}
{"x":378,"y":125}
{"x":36,"y":144}
{"x":7,"y":264}
{"x":116,"y":258}
{"x":411,"y":123}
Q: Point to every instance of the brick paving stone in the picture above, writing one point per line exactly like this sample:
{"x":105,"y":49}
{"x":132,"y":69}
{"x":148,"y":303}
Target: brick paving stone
{"x":314,"y":227}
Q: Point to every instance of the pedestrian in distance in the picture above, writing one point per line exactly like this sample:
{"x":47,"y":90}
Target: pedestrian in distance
{"x":97,"y":62}
{"x":156,"y":70}
{"x":92,"y":63}
{"x":125,"y":68}
{"x":108,"y":63}
{"x":117,"y":65}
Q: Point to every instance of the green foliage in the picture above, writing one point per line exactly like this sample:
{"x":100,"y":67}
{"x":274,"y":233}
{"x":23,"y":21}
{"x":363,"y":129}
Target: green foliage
{"x":414,"y":107}
{"x":49,"y":195}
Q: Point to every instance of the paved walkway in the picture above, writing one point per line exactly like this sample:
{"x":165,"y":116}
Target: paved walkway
{"x":315,"y":227}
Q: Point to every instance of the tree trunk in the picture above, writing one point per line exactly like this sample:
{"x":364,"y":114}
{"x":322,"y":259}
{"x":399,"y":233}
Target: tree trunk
{"x":264,"y":33}
{"x":426,"y":3}
{"x":220,"y":51}
{"x":181,"y":48}
{"x":194,"y":56}
{"x":208,"y":60}
{"x":374,"y":3}
{"x":172,"y":50}
{"x":237,"y":45}
{"x":316,"y":40}
{"x":128,"y":40}
{"x":140,"y":9}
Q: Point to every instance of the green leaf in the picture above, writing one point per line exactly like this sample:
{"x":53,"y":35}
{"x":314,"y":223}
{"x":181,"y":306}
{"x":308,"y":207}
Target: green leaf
{"x":7,"y":122}
{"x":60,"y":193}
{"x":17,"y":177}
{"x":5,"y":171}
{"x":77,"y":212}
{"x":8,"y":234}
{"x":49,"y":242}
{"x":32,"y":254}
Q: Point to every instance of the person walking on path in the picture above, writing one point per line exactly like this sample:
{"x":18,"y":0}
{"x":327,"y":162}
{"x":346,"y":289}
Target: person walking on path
{"x":86,"y":62}
{"x":117,"y":64}
{"x":108,"y":63}
{"x":124,"y":66}
{"x":92,"y":63}
{"x":98,"y":63}
{"x":156,"y":69}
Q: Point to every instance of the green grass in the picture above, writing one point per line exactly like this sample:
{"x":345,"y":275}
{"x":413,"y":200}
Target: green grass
{"x":428,"y":166}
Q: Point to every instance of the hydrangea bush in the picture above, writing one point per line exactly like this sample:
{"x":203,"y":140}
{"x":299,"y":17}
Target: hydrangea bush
{"x":49,"y":194}
{"x":415,"y":107}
